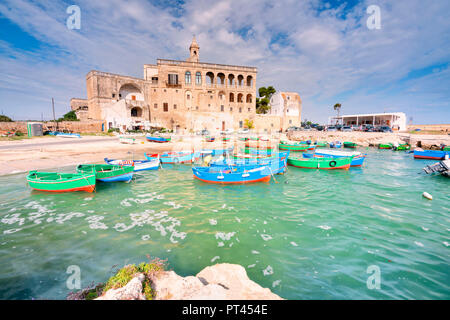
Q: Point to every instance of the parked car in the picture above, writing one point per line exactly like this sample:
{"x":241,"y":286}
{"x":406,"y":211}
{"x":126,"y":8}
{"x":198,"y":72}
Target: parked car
{"x":339,"y":127}
{"x":384,"y":129}
{"x":356,"y":128}
{"x":320,"y":128}
{"x":369,"y":128}
{"x":347,"y":129}
{"x":307,"y":128}
{"x":331,"y":128}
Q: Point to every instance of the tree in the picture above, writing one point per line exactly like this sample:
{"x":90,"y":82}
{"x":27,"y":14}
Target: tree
{"x":248,"y":124}
{"x":266,"y":92}
{"x":69,"y":116}
{"x":337,"y":107}
{"x":263,"y":102}
{"x":4,"y":118}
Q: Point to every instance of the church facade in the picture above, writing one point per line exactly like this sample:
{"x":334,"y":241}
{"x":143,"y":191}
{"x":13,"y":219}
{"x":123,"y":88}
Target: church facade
{"x":184,"y":96}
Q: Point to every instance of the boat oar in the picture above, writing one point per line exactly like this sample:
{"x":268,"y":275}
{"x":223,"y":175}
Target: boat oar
{"x":272,"y":175}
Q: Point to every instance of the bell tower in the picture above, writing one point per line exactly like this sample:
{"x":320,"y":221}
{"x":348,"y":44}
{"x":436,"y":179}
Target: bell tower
{"x":194,"y":51}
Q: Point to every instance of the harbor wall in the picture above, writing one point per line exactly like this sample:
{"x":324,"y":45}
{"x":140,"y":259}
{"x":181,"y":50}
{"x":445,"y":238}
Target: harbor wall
{"x":89,"y":126}
{"x":443,"y":128}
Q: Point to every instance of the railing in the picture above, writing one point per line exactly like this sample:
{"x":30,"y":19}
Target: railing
{"x":173,"y":85}
{"x":207,"y":65}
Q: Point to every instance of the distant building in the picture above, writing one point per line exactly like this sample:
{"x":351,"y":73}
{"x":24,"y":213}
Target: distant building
{"x":395,"y":120}
{"x":288,"y":106}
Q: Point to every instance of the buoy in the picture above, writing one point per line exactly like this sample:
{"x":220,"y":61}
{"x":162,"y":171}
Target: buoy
{"x":427,"y":195}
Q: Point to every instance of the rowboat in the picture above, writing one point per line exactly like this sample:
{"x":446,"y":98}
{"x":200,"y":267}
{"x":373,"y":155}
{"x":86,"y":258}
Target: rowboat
{"x":402,"y":147}
{"x":107,"y":172}
{"x":335,"y":144}
{"x":351,"y":145}
{"x":176,"y":157}
{"x":277,"y":164}
{"x":254,"y":138}
{"x":139,"y":165}
{"x":127,"y":140}
{"x":442,"y":167}
{"x":293,"y":146}
{"x":237,"y":175}
{"x":225,"y":138}
{"x":216,"y":152}
{"x":385,"y":146}
{"x":243,"y":139}
{"x":430,"y":154}
{"x":321,"y":163}
{"x":446,"y":148}
{"x":61,"y":182}
{"x":210,"y":139}
{"x":357,"y":161}
{"x":265,"y":151}
{"x":157,"y":139}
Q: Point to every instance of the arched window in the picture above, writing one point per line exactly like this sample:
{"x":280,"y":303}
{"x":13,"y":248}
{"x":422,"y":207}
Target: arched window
{"x":187,"y":77}
{"x":240,"y":97}
{"x":136,"y":112}
{"x":231,"y":97}
{"x":249,"y":98}
{"x":198,"y":78}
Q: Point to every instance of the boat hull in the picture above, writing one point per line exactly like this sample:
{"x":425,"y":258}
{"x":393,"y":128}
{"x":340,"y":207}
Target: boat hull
{"x":321,"y":163}
{"x":358,"y":158}
{"x":430,"y":154}
{"x":277,"y":165}
{"x":157,"y":139}
{"x":232,"y":175}
{"x":293,"y":147}
{"x":108,"y":172}
{"x":139,"y":165}
{"x":49,"y":182}
{"x":175,"y":157}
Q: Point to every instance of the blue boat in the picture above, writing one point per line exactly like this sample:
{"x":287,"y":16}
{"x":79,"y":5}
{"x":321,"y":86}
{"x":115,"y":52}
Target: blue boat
{"x":277,"y":164}
{"x":233,"y":175}
{"x":430,"y":154}
{"x":108,"y":172}
{"x":216,"y":152}
{"x":67,"y":135}
{"x":157,"y":139}
{"x":335,"y":144}
{"x":139,"y":165}
{"x":175,"y":157}
{"x":358,"y":157}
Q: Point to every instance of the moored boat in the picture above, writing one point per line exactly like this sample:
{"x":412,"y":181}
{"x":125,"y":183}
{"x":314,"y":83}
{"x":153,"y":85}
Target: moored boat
{"x":68,"y":135}
{"x":357,"y":161}
{"x":351,"y":145}
{"x":401,"y":147}
{"x":430,"y":154}
{"x":176,"y":157}
{"x":385,"y":146}
{"x":61,"y":182}
{"x":108,"y":172}
{"x":442,"y":167}
{"x":210,"y":139}
{"x":139,"y":165}
{"x":127,"y":140}
{"x":293,"y":146}
{"x":335,"y":144}
{"x":157,"y":139}
{"x":321,"y":144}
{"x":237,"y":175}
{"x":320,"y":163}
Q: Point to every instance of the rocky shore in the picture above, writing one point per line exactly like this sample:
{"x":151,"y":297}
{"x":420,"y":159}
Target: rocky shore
{"x":146,"y":282}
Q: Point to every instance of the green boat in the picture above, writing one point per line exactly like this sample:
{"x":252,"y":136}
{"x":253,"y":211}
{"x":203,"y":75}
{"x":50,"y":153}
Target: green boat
{"x":446,"y":148}
{"x":402,"y":147}
{"x":385,"y":146}
{"x":61,"y":182}
{"x":262,"y":151}
{"x":320,"y":163}
{"x":293,"y":146}
{"x":243,"y":139}
{"x":351,"y":145}
{"x":320,"y":144}
{"x":225,"y":139}
{"x":108,"y":172}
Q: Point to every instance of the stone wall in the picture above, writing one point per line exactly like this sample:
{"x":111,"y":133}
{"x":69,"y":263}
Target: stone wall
{"x":91,"y":126}
{"x":444,"y":128}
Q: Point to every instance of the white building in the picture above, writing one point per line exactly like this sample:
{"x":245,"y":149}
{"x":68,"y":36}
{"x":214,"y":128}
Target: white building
{"x":287,"y":106}
{"x":395,"y":120}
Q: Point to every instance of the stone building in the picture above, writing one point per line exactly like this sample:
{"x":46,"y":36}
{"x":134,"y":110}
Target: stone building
{"x":184,"y":96}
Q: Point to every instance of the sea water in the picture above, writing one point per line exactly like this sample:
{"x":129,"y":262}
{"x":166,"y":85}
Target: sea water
{"x":309,"y":234}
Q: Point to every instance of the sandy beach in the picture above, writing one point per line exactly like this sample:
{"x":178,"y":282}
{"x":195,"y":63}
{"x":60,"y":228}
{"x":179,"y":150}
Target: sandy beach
{"x":40,"y":153}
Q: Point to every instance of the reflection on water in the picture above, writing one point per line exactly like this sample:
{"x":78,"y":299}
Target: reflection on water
{"x":308,"y":235}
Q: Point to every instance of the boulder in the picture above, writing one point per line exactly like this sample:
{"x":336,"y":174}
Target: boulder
{"x":131,"y":291}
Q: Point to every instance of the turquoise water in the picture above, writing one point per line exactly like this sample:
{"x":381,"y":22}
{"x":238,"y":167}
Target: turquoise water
{"x":311,"y":235}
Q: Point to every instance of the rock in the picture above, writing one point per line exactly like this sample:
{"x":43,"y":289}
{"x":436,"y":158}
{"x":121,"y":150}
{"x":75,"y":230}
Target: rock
{"x":131,"y":291}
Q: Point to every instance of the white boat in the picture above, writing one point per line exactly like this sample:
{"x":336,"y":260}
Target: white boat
{"x":337,"y":153}
{"x":139,"y":165}
{"x":127,"y":140}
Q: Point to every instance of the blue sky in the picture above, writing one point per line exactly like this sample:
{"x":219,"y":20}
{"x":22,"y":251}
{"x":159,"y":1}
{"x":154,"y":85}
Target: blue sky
{"x":321,"y":49}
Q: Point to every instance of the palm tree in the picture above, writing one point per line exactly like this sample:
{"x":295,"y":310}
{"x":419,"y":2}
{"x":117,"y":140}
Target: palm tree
{"x":337,"y":107}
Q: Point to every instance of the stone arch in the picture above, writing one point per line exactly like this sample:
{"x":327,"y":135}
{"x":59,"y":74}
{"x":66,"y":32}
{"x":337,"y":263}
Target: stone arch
{"x":136,"y":112}
{"x":249,"y":81}
{"x":130,"y":91}
{"x":249,"y":98}
{"x":210,"y":77}
{"x":231,"y":97}
{"x":221,"y":95}
{"x":231,"y":79}
{"x":240,"y":80}
{"x":240,"y":97}
{"x":221,"y":79}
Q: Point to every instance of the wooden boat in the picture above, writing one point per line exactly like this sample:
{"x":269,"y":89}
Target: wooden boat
{"x":176,"y":157}
{"x":401,"y":147}
{"x":385,"y":146}
{"x":139,"y":165}
{"x":210,"y":139}
{"x":442,"y":167}
{"x":321,"y":163}
{"x":446,"y":148}
{"x":237,"y":175}
{"x":351,"y":145}
{"x":254,"y":138}
{"x":335,"y":144}
{"x":277,"y":163}
{"x":61,"y":182}
{"x":357,"y":161}
{"x":127,"y":140}
{"x":225,"y":138}
{"x":157,"y":139}
{"x":216,"y":152}
{"x":293,"y":146}
{"x":243,"y":139}
{"x":430,"y":154}
{"x":107,"y":172}
{"x":265,"y":151}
